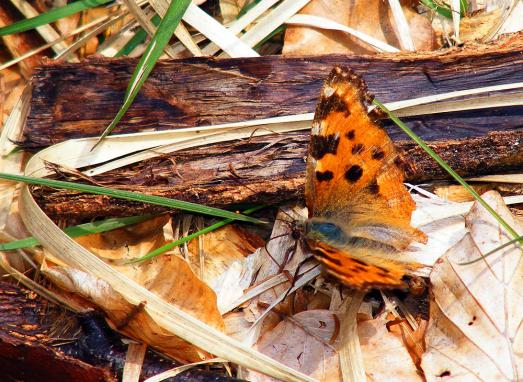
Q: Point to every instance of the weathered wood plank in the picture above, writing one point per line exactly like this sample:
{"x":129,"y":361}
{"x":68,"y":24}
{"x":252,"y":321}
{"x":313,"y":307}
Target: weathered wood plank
{"x":79,"y":100}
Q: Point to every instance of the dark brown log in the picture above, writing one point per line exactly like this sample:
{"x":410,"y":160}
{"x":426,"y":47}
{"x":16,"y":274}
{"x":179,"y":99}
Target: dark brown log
{"x":79,"y":100}
{"x":29,"y":351}
{"x":26,"y":351}
{"x":248,"y":171}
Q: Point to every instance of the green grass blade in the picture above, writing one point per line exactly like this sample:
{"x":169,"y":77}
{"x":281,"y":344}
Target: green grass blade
{"x":203,"y":231}
{"x":129,"y":195}
{"x":447,"y":168}
{"x":247,"y":7}
{"x":463,"y":7}
{"x":52,"y":15}
{"x":444,"y":10}
{"x":80,"y":230}
{"x":280,"y":29}
{"x":499,"y":248}
{"x":137,"y":39}
{"x":154,"y":50}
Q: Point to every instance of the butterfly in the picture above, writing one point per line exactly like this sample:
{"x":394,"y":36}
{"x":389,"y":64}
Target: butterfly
{"x":359,"y":208}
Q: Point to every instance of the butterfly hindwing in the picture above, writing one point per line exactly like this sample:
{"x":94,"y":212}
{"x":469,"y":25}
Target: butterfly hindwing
{"x":356,"y":272}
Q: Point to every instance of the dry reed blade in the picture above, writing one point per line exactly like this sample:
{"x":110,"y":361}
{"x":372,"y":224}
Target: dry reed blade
{"x":351,"y":359}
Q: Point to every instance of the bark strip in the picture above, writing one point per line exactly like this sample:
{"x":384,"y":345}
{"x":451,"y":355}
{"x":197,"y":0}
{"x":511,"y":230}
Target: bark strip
{"x":263,"y":170}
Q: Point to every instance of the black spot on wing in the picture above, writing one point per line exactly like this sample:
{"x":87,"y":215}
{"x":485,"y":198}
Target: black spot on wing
{"x":374,"y":187}
{"x":353,"y":173}
{"x":377,"y":153}
{"x":332,"y":104}
{"x":350,"y":135}
{"x":359,"y":268}
{"x":357,"y":149}
{"x":322,"y":145}
{"x":324,"y":176}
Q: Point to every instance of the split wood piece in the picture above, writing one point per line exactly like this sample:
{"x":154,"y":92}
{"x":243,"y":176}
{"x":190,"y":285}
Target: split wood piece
{"x":20,"y":43}
{"x":31,"y":349}
{"x":262,"y":170}
{"x":80,"y":100}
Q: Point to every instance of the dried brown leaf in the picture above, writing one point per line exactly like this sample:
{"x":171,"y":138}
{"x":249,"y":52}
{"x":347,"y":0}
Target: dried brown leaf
{"x":307,"y":342}
{"x":168,"y":276}
{"x":475,"y":331}
{"x":477,"y":26}
{"x":229,"y":261}
{"x":372,"y":17}
{"x":221,"y":248}
{"x":282,"y":253}
{"x":230,"y":9}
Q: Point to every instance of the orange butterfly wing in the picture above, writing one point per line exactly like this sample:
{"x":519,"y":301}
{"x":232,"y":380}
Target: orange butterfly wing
{"x":354,"y":180}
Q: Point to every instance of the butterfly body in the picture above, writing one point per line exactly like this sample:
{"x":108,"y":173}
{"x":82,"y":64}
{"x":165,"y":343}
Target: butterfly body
{"x":359,"y":209}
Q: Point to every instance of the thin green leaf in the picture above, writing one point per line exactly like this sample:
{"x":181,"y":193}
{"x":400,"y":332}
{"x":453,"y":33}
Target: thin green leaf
{"x":153,"y":51}
{"x":513,"y":241}
{"x":463,"y":6}
{"x":447,"y":168}
{"x":443,"y":9}
{"x":129,"y":195}
{"x":52,"y":15}
{"x":247,"y":7}
{"x":278,"y":30}
{"x":203,"y":231}
{"x":137,"y":39}
{"x":80,"y":230}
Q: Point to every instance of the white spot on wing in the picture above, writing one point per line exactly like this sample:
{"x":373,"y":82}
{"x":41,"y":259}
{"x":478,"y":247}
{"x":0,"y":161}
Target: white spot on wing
{"x":328,"y":91}
{"x":315,"y":130}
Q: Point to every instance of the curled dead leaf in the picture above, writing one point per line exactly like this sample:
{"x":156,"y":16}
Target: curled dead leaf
{"x":168,"y":276}
{"x":220,"y":249}
{"x":372,"y":17}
